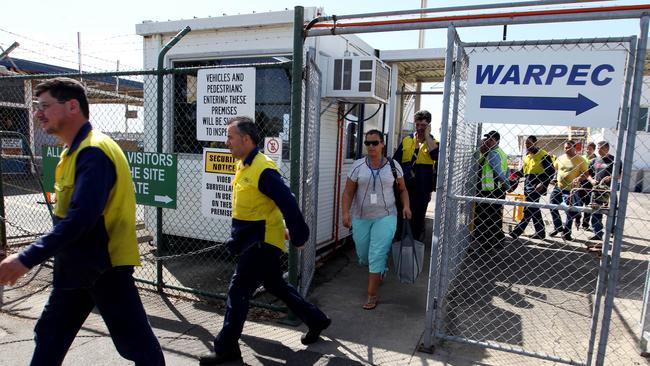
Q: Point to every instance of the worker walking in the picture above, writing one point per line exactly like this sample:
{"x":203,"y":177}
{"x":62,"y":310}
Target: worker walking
{"x":262,"y":204}
{"x":93,"y":241}
{"x":537,"y":169}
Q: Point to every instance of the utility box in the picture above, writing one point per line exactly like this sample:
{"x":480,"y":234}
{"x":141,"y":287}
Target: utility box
{"x":358,"y":79}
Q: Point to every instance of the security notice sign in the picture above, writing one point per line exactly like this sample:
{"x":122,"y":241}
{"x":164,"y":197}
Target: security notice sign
{"x":551,"y":87}
{"x":154,"y":175}
{"x":221,"y":95}
{"x":216,"y":191}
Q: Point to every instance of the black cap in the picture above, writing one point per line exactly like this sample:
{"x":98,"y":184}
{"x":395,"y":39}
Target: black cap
{"x":492,"y":135}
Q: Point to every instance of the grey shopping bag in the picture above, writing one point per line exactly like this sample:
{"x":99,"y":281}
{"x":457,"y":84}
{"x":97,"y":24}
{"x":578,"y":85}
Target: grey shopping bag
{"x":408,"y":255}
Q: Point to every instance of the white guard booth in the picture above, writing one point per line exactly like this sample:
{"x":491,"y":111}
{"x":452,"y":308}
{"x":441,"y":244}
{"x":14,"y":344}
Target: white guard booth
{"x":250,"y":39}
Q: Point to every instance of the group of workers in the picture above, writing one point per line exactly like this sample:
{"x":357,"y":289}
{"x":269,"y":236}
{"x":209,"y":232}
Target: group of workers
{"x":95,"y":249}
{"x":576,"y":179}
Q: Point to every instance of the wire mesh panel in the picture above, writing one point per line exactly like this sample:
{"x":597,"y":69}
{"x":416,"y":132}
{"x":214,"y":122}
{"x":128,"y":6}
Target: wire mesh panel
{"x":516,"y":278}
{"x":310,"y":164}
{"x":190,"y":249}
{"x":628,"y":330}
{"x":181,"y":248}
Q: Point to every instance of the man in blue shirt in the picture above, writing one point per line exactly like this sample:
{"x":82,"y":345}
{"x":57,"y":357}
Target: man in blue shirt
{"x":493,"y":183}
{"x":93,"y":241}
{"x":417,"y":154}
{"x":262,"y":204}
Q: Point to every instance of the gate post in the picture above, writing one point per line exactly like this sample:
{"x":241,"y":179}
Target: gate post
{"x":160,"y":245}
{"x":625,"y":189}
{"x":434,"y":285}
{"x":296,"y":121}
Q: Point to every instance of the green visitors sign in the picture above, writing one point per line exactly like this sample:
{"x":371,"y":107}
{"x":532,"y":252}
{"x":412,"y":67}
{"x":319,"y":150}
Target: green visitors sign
{"x":50,"y":156}
{"x":154,"y":175}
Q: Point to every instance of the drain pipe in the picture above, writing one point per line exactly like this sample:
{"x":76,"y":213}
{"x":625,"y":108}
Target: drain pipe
{"x":161,"y":247}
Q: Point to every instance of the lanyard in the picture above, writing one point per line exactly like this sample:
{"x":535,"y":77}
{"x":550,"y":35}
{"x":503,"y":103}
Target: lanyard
{"x":375,"y":172}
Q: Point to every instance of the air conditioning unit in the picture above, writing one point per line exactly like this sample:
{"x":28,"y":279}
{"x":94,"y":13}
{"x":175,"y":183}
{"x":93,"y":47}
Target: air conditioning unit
{"x":358,"y":79}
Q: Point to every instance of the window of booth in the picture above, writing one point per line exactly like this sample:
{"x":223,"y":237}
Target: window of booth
{"x":272,"y":102}
{"x":351,"y":132}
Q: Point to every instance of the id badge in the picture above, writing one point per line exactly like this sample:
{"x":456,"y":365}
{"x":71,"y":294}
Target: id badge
{"x":373,"y":198}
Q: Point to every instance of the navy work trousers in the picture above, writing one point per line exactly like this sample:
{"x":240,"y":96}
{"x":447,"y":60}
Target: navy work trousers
{"x":489,"y":219}
{"x":531,"y":213}
{"x":117,"y":299}
{"x":419,"y":201}
{"x":260,"y":264}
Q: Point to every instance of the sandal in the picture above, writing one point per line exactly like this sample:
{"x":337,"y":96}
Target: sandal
{"x":371,"y":303}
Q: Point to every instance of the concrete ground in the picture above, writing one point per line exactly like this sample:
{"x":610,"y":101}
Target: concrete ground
{"x":504,"y":300}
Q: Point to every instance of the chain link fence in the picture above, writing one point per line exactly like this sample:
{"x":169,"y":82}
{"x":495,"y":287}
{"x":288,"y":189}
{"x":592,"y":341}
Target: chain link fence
{"x":181,"y":248}
{"x":532,"y":289}
{"x":628,"y":332}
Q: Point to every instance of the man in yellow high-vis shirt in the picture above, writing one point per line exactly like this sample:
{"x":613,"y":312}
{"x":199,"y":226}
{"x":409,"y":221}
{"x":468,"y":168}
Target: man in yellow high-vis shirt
{"x":262,"y":204}
{"x":417,"y":154}
{"x":93,"y":242}
{"x":537,"y":170}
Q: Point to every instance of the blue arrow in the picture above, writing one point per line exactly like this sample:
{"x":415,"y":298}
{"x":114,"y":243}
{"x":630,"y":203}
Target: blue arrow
{"x":579,"y":104}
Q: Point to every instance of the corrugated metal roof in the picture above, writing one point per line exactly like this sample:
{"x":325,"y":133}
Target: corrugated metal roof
{"x":428,"y":71}
{"x":101,"y":89}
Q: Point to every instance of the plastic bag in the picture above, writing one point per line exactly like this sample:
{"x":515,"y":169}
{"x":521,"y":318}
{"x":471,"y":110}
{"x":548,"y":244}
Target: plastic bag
{"x":408,"y":256}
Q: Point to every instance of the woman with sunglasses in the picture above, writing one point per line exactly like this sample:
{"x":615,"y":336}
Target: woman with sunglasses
{"x":369,"y":209}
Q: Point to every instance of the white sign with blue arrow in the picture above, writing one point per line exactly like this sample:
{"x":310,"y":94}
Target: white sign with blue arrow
{"x":551,"y":87}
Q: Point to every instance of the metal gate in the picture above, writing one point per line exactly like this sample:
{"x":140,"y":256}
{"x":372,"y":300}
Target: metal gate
{"x":309,"y":171}
{"x":541,"y":298}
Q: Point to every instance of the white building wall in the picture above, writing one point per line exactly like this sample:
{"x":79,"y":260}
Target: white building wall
{"x":327,"y":180}
{"x":239,"y":36}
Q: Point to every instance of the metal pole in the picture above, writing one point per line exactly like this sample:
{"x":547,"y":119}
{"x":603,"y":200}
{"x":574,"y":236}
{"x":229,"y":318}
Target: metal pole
{"x":423,"y":10}
{"x":480,"y":20}
{"x":160,"y":244}
{"x":360,"y":127}
{"x":602,"y":269}
{"x":446,"y":252}
{"x":5,"y":53}
{"x":296,"y":122}
{"x":3,"y":226}
{"x":432,"y":292}
{"x":79,"y":51}
{"x":625,"y":190}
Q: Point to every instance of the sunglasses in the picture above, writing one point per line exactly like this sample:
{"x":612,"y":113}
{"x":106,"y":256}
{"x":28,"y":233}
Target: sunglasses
{"x":373,"y":143}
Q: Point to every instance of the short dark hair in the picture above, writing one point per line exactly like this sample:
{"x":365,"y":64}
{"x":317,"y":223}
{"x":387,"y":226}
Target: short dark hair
{"x":422,"y":115}
{"x":246,"y":126}
{"x":532,"y":138}
{"x":570,"y":142}
{"x":603,"y":144}
{"x":376,"y":132}
{"x":591,"y":145}
{"x":493,"y":135}
{"x":64,"y":89}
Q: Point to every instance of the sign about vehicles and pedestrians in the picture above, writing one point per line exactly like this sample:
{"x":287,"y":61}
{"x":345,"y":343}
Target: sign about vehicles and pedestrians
{"x":546,"y":87}
{"x":222,"y":94}
{"x":154,"y":175}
